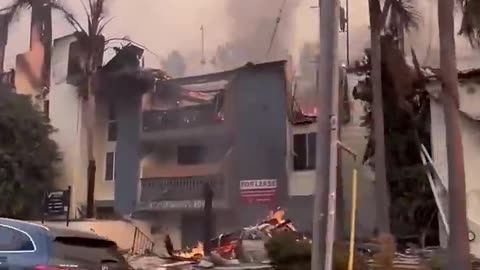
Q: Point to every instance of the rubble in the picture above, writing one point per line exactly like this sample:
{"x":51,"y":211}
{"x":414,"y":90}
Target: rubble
{"x":236,"y":249}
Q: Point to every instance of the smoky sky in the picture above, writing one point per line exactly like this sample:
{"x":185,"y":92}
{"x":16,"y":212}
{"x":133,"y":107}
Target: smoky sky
{"x":167,"y":25}
{"x":253,"y":24}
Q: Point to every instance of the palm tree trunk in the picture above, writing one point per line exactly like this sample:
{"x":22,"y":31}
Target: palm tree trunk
{"x":381,"y":188}
{"x":41,"y":32}
{"x":91,"y":167}
{"x":459,"y":255}
{"x":3,"y":39}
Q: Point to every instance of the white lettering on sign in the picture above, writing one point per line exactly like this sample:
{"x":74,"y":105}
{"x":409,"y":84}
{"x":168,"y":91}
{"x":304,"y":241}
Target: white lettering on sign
{"x":258,"y":184}
{"x":180,"y":205}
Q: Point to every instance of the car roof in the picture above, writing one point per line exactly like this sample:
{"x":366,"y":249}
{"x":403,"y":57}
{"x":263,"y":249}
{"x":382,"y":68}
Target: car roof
{"x":52,"y":231}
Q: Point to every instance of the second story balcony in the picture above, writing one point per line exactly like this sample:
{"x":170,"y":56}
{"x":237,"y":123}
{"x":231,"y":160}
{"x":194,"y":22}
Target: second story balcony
{"x":186,"y":122}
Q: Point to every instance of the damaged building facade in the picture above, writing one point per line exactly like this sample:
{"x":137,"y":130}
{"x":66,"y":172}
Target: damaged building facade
{"x":230,"y":130}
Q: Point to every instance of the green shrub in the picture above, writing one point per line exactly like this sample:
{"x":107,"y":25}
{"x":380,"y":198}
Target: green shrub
{"x":440,"y":259}
{"x":286,"y":252}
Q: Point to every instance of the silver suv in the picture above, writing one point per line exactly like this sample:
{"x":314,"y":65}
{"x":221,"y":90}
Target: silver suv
{"x":25,"y":245}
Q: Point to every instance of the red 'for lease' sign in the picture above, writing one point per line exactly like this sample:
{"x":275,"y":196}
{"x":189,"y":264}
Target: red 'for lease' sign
{"x":258,"y":191}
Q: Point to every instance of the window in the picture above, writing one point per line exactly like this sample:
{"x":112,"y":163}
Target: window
{"x":304,"y":146}
{"x":14,"y":240}
{"x":110,"y":166}
{"x":46,"y":108}
{"x":112,"y":124}
{"x":191,"y":154}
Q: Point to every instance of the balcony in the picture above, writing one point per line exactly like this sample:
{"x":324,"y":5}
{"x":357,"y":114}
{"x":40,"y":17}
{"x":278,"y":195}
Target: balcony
{"x":174,"y":124}
{"x":180,"y":193}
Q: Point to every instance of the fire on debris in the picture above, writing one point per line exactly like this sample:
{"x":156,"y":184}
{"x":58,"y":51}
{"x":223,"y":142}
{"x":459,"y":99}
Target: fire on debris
{"x":226,"y":245}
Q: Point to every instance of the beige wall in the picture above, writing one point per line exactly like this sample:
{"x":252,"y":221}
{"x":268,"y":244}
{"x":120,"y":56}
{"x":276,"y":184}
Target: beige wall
{"x":103,"y":189}
{"x":67,"y":116}
{"x":300,"y":183}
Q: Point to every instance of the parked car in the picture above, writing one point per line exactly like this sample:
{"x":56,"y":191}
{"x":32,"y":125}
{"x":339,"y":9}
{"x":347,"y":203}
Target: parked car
{"x":26,"y":245}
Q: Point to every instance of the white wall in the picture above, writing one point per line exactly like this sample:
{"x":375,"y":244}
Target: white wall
{"x":353,"y":135}
{"x":470,"y":130}
{"x":300,"y":183}
{"x":103,"y":189}
{"x":67,"y":118}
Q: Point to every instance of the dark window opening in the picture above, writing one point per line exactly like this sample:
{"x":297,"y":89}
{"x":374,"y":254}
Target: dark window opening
{"x":112,"y":131}
{"x":46,"y":108}
{"x":304,"y":156}
{"x":109,"y":166}
{"x":191,"y":154}
{"x":13,"y":240}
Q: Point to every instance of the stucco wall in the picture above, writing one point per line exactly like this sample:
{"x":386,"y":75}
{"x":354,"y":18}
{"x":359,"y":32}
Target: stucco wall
{"x":258,"y":124}
{"x":66,"y":115}
{"x":103,"y":189}
{"x":300,"y":183}
{"x":469,"y":93}
{"x":128,"y":152}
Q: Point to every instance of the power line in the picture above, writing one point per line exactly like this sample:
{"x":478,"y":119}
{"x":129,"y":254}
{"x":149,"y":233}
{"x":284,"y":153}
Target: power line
{"x":277,"y":22}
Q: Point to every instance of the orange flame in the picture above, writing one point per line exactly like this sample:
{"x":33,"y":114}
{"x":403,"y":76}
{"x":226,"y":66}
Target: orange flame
{"x":196,"y":252}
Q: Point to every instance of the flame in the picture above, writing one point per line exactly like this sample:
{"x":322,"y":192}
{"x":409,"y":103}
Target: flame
{"x":278,"y":217}
{"x":196,"y":252}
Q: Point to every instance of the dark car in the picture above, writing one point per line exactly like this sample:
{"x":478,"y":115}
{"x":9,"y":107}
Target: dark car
{"x":25,"y":245}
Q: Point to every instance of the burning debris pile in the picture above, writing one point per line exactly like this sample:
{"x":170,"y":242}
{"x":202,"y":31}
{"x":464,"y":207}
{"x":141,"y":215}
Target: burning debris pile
{"x":229,"y":248}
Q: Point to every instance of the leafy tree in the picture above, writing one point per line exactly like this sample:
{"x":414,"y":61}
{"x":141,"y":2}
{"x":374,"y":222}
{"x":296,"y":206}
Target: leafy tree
{"x":28,"y":157}
{"x":287,"y":252}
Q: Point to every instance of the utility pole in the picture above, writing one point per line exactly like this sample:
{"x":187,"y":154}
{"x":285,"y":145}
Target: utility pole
{"x":208,"y":218}
{"x":381,"y":186}
{"x":459,"y":254}
{"x":327,"y":68}
{"x":347,"y":12}
{"x":202,"y":61}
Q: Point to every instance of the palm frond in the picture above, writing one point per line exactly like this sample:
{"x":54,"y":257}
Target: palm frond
{"x":67,"y":15}
{"x":470,"y":27}
{"x":408,"y":14}
{"x":11,"y":11}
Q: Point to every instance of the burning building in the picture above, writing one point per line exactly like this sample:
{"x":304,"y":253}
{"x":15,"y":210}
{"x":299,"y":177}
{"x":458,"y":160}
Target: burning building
{"x":230,"y":130}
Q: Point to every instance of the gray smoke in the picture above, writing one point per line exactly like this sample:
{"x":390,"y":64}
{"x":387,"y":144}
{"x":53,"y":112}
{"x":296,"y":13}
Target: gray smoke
{"x":252,"y":25}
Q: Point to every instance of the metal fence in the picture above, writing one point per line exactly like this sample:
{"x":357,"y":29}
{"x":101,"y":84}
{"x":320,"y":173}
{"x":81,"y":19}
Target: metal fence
{"x":142,"y":244}
{"x":186,"y":117}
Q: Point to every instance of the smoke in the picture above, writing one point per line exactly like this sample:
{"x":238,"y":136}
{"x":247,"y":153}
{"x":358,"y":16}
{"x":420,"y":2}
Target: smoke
{"x":252,"y":25}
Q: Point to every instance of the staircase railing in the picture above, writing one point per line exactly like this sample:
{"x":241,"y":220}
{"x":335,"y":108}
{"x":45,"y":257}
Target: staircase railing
{"x":439,"y":190}
{"x":142,"y":244}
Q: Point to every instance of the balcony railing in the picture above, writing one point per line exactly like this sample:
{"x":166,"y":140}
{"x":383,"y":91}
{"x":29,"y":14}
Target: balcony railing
{"x":186,"y":117}
{"x":180,"y":188}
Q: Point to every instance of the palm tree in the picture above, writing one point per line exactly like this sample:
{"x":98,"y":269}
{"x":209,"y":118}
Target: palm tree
{"x":400,"y":11}
{"x":470,"y":26}
{"x":91,"y":41}
{"x":41,"y":30}
{"x":458,"y":240}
